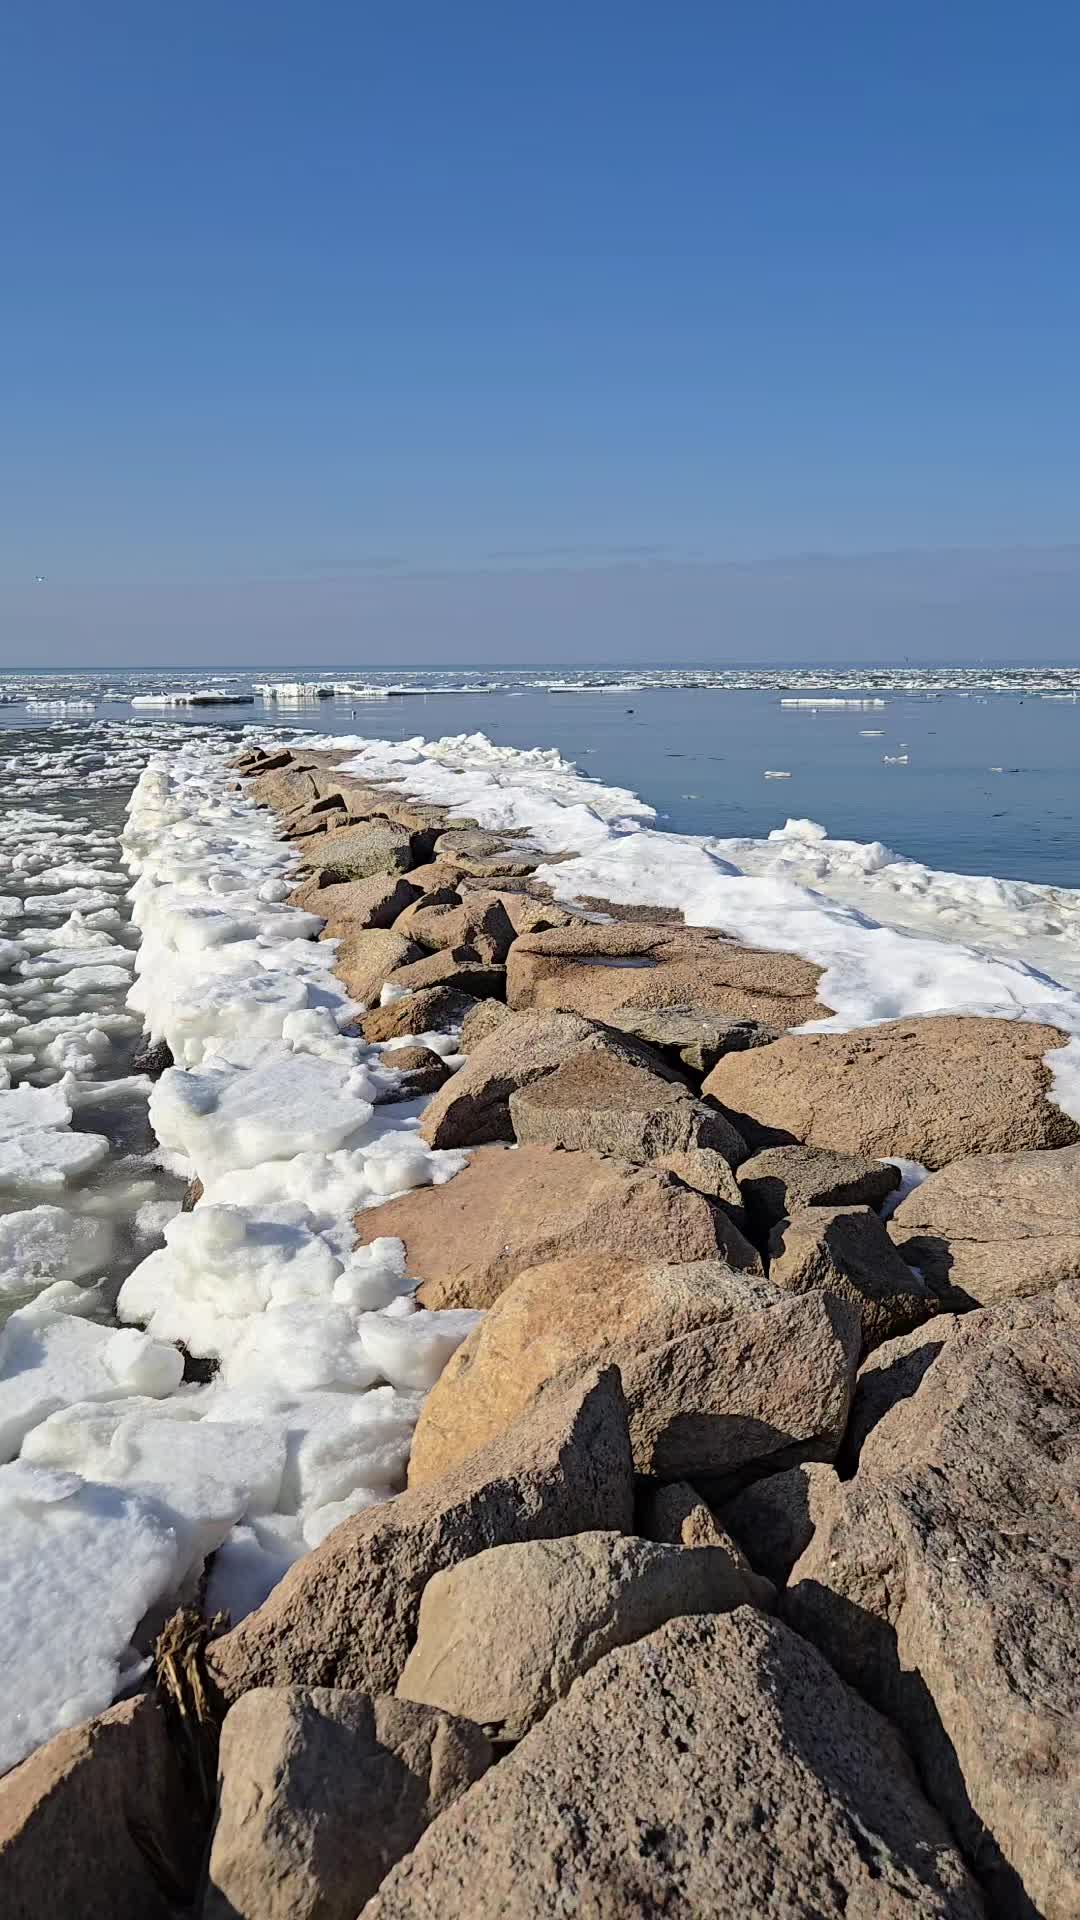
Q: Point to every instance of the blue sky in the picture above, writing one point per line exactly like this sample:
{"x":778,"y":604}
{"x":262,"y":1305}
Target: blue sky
{"x":363,"y":331}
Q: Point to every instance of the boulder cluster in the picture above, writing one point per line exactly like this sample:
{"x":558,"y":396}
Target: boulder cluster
{"x":739,"y":1567}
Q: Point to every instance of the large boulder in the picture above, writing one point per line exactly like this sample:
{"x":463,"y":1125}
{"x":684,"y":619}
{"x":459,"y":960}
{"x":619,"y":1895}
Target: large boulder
{"x":774,"y":1518}
{"x":480,"y":922}
{"x":357,"y":852}
{"x":520,"y":1048}
{"x":504,"y":1635}
{"x":282,"y":788}
{"x":932,"y":1089}
{"x":892,"y":1372}
{"x":345,"y":1615}
{"x":721,"y":1372}
{"x":696,"y":1040}
{"x":674,"y":1512}
{"x":432,"y":1010}
{"x":358,"y":904}
{"x":97,"y":1823}
{"x":781,"y":1180}
{"x":717,"y":1767}
{"x":322,"y":1791}
{"x":994,"y":1226}
{"x":596,"y":969}
{"x":485,"y":855}
{"x":462,"y":968}
{"x":365,"y":959}
{"x":944,"y":1581}
{"x":508,"y":1210}
{"x":847,"y":1251}
{"x":605,"y":1102}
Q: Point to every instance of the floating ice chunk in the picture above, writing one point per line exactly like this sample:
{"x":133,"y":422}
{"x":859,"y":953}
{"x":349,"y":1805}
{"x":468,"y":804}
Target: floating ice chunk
{"x":250,"y":1561}
{"x":153,"y":1217}
{"x":79,"y":1567}
{"x":411,"y":1350}
{"x":51,"y":1359}
{"x":25,"y":1108}
{"x":40,"y":1162}
{"x":221,"y":1118}
{"x":777,"y":773}
{"x":298,"y":1348}
{"x":142,"y":1365}
{"x":42,"y":1244}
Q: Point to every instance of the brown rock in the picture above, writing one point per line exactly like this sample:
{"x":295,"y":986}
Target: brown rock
{"x":344,"y":904}
{"x":782,"y":1180}
{"x":424,"y":1072}
{"x":676,"y":1513}
{"x":847,"y":1251}
{"x":365,"y":960}
{"x":282,"y":788}
{"x":716,"y":1768}
{"x":483,"y":1019}
{"x":462,"y":968}
{"x":97,"y":1823}
{"x":511,"y":1210}
{"x":518,"y":1050}
{"x":323,"y":1790}
{"x":480,"y":923}
{"x":527,"y":906}
{"x":504,"y":1635}
{"x":773,"y":1519}
{"x":933,"y":1089}
{"x":893,"y":1372}
{"x":432,"y":1010}
{"x":994,"y":1226}
{"x":697,"y":1040}
{"x":487,"y":854}
{"x":606,"y":1102}
{"x":708,"y":1172}
{"x":258,"y":760}
{"x":944,"y":1579}
{"x":594,"y":970}
{"x":345,"y":1614}
{"x":358,"y":852}
{"x":719,"y":1370}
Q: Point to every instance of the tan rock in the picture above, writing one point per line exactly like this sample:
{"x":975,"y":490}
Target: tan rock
{"x":322,"y":1791}
{"x":504,"y":1635}
{"x":697,"y":1040}
{"x":933,"y":1089}
{"x":994,"y":1226}
{"x":719,"y":1370}
{"x":481,"y":923}
{"x":774,"y":1518}
{"x":282,"y":788}
{"x":511,"y":1210}
{"x":423,"y":1071}
{"x":708,"y":1172}
{"x":606,"y":1102}
{"x":782,"y":1180}
{"x":487,"y":854}
{"x":594,"y":970}
{"x":892,"y":1372}
{"x":527,"y":906}
{"x":432,"y":1010}
{"x":481,"y":1021}
{"x":847,"y":1251}
{"x":345,"y":1615}
{"x":944,"y":1579}
{"x":358,"y":852}
{"x":519,"y":1049}
{"x":97,"y":1823}
{"x":365,"y":960}
{"x":676,"y":1513}
{"x":716,"y":1768}
{"x":462,"y":968}
{"x":377,"y":902}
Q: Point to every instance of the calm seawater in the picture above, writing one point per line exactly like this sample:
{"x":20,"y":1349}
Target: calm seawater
{"x":699,"y":757}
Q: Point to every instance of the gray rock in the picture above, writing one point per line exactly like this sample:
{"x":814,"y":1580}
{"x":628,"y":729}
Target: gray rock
{"x":697,"y":1040}
{"x":504,"y":1635}
{"x":716,"y":1768}
{"x":848,"y":1251}
{"x":783,"y":1180}
{"x":773,"y":1520}
{"x":944,"y":1581}
{"x":345,"y":1614}
{"x":602,"y":1101}
{"x":322,"y":1791}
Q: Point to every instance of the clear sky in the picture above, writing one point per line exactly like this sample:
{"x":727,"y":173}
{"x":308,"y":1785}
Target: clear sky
{"x":366,"y":330}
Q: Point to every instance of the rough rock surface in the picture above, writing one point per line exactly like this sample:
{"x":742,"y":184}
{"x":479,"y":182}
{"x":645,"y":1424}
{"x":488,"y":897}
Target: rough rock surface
{"x":893,"y":1372}
{"x":933,"y":1089}
{"x":364,"y":960}
{"x":282,"y":788}
{"x":606,"y":1103}
{"x":773,"y":1520}
{"x":994,"y":1226}
{"x":425,"y":1072}
{"x":355,"y":903}
{"x":482,"y":1021}
{"x":595,"y":970}
{"x":781,"y":1180}
{"x":355,"y":853}
{"x":480,"y":922}
{"x":848,"y":1251}
{"x":433,"y":1010}
{"x":677,"y":1514}
{"x":97,"y":1823}
{"x":519,"y":1049}
{"x":322,"y":1791}
{"x":462,"y":968}
{"x":504,"y":1635}
{"x":945,"y":1580}
{"x":718,"y":1767}
{"x":511,"y":1210}
{"x":345,"y":1615}
{"x":487,"y":854}
{"x":719,"y":1370}
{"x":697,"y":1040}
